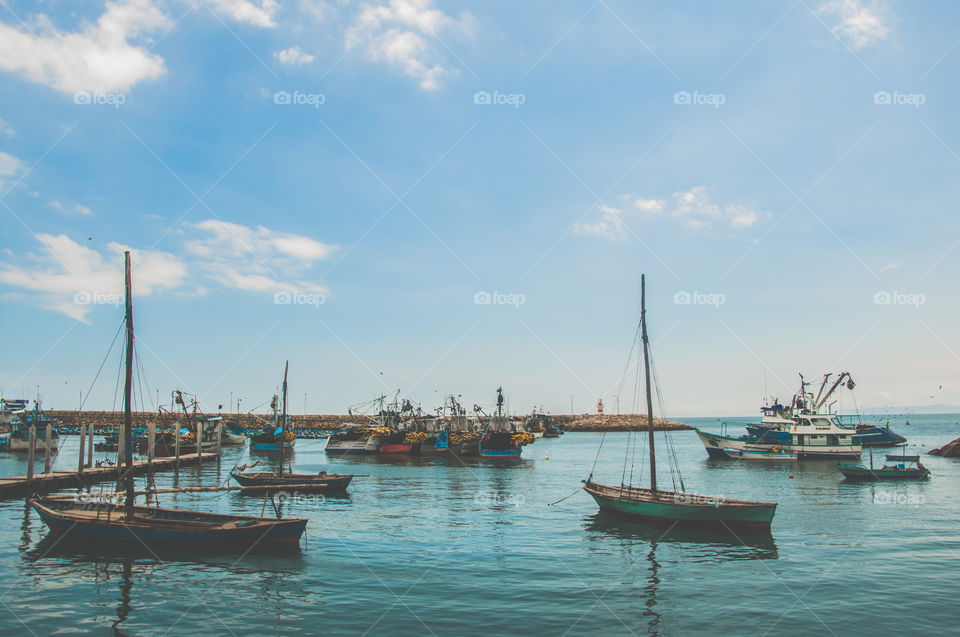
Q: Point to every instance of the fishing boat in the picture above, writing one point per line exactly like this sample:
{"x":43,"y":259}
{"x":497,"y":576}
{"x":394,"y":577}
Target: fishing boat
{"x":124,"y":523}
{"x":276,"y":436}
{"x":673,"y":507}
{"x":904,"y":467}
{"x":306,"y":482}
{"x":21,"y":419}
{"x":499,"y":437}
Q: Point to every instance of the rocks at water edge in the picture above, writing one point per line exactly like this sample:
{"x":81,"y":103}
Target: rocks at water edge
{"x":949,"y":450}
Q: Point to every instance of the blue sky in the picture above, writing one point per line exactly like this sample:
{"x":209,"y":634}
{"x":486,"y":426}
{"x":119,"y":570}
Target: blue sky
{"x":339,"y":183}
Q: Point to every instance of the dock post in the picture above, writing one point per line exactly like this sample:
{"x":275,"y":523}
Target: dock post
{"x":121,"y":452}
{"x":83,"y":447}
{"x":46,"y":453}
{"x":90,"y":445}
{"x":151,"y":442}
{"x":200,"y":442}
{"x":31,"y":450}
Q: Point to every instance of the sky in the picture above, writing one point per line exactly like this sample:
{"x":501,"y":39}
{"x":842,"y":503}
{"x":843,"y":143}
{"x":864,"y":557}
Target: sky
{"x":450,"y":197}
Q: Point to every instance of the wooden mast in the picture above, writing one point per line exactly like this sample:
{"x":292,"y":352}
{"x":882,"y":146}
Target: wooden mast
{"x":646,"y":368}
{"x":283,"y":419}
{"x":127,"y":392}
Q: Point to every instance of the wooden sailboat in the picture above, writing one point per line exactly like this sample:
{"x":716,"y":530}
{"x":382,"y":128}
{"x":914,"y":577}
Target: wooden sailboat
{"x":148,"y":525}
{"x":306,"y":482}
{"x":678,"y":507}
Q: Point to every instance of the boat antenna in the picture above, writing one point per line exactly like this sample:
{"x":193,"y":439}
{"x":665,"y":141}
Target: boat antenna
{"x":283,"y":419}
{"x":127,"y":390}
{"x":646,"y":369}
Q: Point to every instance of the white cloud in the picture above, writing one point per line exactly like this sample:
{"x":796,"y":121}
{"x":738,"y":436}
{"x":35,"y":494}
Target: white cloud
{"x":397,"y":33}
{"x":77,"y":209}
{"x":693,"y":206}
{"x":255,"y":259}
{"x":98,"y":58}
{"x":609,"y":226}
{"x":652,"y":206}
{"x":858,"y":24}
{"x":8,"y":166}
{"x":294,"y":55}
{"x":258,"y":14}
{"x":67,"y":271}
{"x":231,"y":255}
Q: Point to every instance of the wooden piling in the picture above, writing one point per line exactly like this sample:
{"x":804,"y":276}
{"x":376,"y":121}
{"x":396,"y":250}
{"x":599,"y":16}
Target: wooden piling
{"x":199,"y":437}
{"x":90,"y":445}
{"x":83,"y":447}
{"x":31,"y":450}
{"x":151,"y":441}
{"x":48,"y":432}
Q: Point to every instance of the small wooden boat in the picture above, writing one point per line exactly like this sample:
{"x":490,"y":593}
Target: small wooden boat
{"x":153,"y":526}
{"x":671,"y":507}
{"x":906,"y":468}
{"x":322,"y":482}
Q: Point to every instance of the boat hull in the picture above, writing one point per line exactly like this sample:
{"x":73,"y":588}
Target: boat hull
{"x":401,"y":448}
{"x":681,"y":508}
{"x":315,"y":483}
{"x":152,"y":526}
{"x":718,"y":446}
{"x":854,"y":473}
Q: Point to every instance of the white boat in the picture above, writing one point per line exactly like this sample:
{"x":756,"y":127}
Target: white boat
{"x":798,"y":428}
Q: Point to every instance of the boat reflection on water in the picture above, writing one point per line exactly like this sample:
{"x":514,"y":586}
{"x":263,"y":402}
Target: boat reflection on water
{"x":705,"y":544}
{"x":719,"y":543}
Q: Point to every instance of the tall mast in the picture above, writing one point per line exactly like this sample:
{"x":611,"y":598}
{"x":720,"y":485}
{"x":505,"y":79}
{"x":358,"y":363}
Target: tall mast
{"x":283,"y":419}
{"x":127,"y":391}
{"x":646,"y":369}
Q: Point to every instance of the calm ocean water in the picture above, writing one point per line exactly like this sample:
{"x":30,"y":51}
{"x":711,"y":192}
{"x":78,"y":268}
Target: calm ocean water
{"x":436,"y":547}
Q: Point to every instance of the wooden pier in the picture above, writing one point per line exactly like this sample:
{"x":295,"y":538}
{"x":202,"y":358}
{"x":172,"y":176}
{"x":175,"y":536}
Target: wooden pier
{"x":22,"y":486}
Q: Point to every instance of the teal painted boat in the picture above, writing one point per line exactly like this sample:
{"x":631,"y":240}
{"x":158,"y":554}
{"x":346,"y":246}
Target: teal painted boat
{"x":680,"y":507}
{"x":672,"y":507}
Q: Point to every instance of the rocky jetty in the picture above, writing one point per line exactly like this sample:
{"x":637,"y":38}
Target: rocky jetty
{"x":949,"y":450}
{"x":611,"y":422}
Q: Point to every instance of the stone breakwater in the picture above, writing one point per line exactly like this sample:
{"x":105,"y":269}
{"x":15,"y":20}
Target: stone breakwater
{"x":611,"y":422}
{"x":582,"y":422}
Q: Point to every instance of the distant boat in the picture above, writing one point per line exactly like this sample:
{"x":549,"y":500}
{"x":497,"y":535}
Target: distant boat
{"x":297,"y":481}
{"x":126,"y":523}
{"x":672,"y":506}
{"x":275,"y":435}
{"x":499,"y":437}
